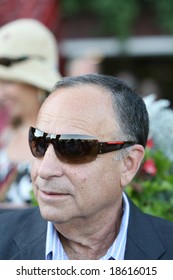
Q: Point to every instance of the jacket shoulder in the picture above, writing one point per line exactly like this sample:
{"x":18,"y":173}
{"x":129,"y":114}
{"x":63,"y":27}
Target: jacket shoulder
{"x":148,"y":237}
{"x":12,"y":218}
{"x":18,"y":229}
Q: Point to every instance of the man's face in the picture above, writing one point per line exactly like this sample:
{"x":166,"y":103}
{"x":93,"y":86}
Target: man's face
{"x":70,"y":192}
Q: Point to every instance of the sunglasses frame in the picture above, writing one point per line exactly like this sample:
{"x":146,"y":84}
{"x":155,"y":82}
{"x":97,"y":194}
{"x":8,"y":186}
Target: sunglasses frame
{"x":79,"y":156}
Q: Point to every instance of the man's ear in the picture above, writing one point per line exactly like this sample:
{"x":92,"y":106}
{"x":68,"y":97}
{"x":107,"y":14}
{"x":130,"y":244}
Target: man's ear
{"x":131,"y":164}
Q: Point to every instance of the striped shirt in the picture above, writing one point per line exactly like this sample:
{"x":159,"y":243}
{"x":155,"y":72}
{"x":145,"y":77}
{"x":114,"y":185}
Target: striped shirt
{"x":55,"y":251}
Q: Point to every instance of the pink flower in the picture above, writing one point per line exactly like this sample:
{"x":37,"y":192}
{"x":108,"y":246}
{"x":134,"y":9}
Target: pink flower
{"x":149,"y":167}
{"x":150,"y":143}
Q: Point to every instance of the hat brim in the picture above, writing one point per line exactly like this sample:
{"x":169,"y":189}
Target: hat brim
{"x":34,"y":73}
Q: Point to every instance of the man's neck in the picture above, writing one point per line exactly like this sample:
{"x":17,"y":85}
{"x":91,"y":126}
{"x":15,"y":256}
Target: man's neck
{"x":90,"y":242}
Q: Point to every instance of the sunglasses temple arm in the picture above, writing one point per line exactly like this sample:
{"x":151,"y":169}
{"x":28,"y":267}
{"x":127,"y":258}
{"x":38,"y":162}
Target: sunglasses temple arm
{"x":108,"y":147}
{"x":105,"y":147}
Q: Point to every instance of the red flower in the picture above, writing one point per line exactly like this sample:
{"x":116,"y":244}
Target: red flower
{"x":150,"y":143}
{"x":149,"y":167}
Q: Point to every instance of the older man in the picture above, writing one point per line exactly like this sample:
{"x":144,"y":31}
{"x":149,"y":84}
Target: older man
{"x":88,"y":145}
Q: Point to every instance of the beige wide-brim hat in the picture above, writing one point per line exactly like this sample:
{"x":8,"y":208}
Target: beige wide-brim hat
{"x":29,"y":38}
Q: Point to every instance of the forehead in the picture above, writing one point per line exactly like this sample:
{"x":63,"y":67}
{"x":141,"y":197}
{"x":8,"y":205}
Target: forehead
{"x":79,"y":109}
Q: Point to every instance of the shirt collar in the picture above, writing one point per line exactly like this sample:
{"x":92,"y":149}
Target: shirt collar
{"x":55,"y":251}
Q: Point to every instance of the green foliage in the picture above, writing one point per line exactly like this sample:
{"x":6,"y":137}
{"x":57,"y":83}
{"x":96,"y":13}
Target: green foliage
{"x":74,"y":7}
{"x":152,"y":192}
{"x":164,"y":12}
{"x":33,"y":199}
{"x":118,"y":16}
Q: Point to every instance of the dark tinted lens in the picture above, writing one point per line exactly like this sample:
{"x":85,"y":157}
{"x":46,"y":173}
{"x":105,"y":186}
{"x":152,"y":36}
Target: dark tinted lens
{"x":37,"y":145}
{"x":72,"y":150}
{"x":76,"y":151}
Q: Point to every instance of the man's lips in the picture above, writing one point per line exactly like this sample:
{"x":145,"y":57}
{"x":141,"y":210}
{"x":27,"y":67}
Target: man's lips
{"x":52,"y":194}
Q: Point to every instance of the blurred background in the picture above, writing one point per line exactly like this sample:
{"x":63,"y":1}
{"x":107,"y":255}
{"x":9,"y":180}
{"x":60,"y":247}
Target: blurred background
{"x":132,"y":39}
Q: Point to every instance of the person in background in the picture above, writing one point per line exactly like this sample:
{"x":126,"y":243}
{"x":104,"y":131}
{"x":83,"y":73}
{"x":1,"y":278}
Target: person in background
{"x":3,"y":116}
{"x":83,"y":65}
{"x":88,"y":143}
{"x":28,"y":69}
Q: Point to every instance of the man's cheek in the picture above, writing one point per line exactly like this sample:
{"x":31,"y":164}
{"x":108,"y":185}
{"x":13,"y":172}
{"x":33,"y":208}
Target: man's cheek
{"x":34,"y":171}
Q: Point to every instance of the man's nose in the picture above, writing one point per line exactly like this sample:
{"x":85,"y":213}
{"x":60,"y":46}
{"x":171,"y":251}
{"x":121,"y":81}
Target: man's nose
{"x":50,"y":165}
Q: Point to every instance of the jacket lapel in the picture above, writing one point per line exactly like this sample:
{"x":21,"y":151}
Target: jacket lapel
{"x":143,"y":242}
{"x":31,"y":238}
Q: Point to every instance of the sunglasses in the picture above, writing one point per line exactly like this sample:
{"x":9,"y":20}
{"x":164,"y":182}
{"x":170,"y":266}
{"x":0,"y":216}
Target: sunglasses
{"x":7,"y":61}
{"x":72,"y":148}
